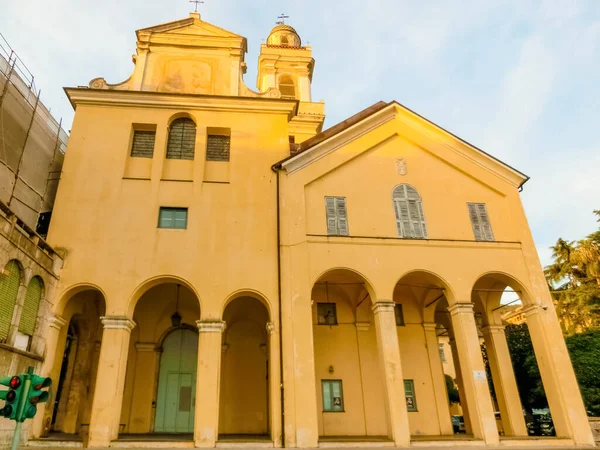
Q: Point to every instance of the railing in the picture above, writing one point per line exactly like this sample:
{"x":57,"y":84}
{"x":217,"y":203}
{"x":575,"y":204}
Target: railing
{"x":17,"y":232}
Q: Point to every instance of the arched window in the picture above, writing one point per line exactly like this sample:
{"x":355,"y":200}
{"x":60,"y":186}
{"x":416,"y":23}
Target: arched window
{"x":287,"y":87}
{"x":284,"y":40}
{"x":9,"y":288}
{"x":410,"y":220}
{"x":182,"y":139}
{"x":31,"y":306}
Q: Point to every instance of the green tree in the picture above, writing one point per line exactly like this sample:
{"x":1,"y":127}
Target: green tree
{"x":574,"y":279}
{"x":453,"y":396}
{"x":584,"y":350}
{"x":527,"y":374}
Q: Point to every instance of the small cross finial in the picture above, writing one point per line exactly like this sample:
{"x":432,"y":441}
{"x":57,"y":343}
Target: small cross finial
{"x":197,"y":2}
{"x":282,"y":18}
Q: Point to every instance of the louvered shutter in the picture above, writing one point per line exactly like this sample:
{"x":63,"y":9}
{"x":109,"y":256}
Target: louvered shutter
{"x":143,"y":144}
{"x":9,"y":288}
{"x":342,"y":218}
{"x":331,"y":219}
{"x":182,"y":139}
{"x":486,"y":228}
{"x":398,"y":217}
{"x":410,"y":220}
{"x":31,"y":306}
{"x":482,"y":229}
{"x":475,"y":222}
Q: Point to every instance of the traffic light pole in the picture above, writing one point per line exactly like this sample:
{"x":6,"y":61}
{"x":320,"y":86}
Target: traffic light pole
{"x":20,"y":407}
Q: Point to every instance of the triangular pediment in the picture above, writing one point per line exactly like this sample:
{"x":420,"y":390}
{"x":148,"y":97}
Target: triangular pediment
{"x":191,"y":28}
{"x":382,"y":122}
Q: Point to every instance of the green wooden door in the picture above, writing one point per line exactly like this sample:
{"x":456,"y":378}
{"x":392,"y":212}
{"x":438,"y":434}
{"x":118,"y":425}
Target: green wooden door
{"x":177,"y":383}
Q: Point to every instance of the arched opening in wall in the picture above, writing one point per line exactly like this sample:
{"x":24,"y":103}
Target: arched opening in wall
{"x":348,"y":379}
{"x":424,"y":364}
{"x":75,"y":365}
{"x":160,"y":383}
{"x":516,"y":387}
{"x":244,"y":383}
{"x":287,"y":87}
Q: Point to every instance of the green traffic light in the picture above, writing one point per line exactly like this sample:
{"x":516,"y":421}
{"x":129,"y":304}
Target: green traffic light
{"x":30,"y":412}
{"x":6,"y":411}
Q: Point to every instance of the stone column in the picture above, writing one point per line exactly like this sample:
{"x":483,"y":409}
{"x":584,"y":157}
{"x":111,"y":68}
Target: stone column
{"x":110,"y":381}
{"x":206,"y":421}
{"x":459,"y":384}
{"x":438,"y":379}
{"x":50,"y":368}
{"x":391,"y":370}
{"x":505,"y":385}
{"x":562,"y":391}
{"x":474,"y":380}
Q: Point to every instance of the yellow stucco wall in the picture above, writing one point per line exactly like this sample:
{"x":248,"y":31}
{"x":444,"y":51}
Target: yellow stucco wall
{"x":105,"y":220}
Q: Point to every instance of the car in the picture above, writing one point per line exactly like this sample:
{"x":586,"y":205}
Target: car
{"x":458,"y":424}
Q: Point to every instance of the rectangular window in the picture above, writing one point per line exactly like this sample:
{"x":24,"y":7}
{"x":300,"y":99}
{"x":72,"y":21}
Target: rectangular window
{"x":399,"y":315}
{"x":173,"y":218}
{"x":442,"y":354}
{"x":480,"y":222}
{"x":326,"y":314}
{"x":337,"y":219}
{"x":333,"y":397}
{"x":409,"y":392}
{"x":142,"y":145}
{"x":218,"y":143}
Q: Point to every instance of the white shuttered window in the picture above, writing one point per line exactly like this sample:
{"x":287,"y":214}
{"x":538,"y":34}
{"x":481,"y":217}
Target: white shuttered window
{"x":480,"y":222}
{"x":337,"y":219}
{"x":410,"y":220}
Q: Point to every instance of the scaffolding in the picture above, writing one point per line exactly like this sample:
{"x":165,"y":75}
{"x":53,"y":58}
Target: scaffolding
{"x":32,"y":142}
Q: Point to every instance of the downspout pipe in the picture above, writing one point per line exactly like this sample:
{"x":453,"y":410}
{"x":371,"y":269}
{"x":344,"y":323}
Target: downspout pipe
{"x":276,"y":168}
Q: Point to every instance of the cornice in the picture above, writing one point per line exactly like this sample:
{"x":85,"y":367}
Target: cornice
{"x":142,"y":99}
{"x":425,"y":128}
{"x":339,"y":140}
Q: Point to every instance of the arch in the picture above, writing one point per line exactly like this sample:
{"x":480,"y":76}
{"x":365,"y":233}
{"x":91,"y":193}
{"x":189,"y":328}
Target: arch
{"x":71,"y":291}
{"x":145,"y":286}
{"x":487,"y":292}
{"x":247,"y":293}
{"x":31,"y":305}
{"x":332,"y":271}
{"x":429,"y":276}
{"x":10,"y":281}
{"x":181,"y":140}
{"x":408,"y":208}
{"x":287,"y":87}
{"x":181,"y":115}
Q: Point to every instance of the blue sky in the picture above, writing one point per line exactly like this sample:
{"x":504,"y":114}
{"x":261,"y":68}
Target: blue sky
{"x":516,"y":78}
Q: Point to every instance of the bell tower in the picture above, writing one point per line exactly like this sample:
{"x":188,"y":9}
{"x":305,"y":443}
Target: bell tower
{"x":285,"y":64}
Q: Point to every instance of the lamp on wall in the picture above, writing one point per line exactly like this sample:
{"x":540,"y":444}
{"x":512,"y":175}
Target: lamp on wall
{"x":176,"y":317}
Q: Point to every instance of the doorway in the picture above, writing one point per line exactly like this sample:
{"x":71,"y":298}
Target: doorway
{"x":176,"y":399}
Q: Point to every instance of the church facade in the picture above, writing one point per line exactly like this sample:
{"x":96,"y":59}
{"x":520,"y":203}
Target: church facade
{"x":232,"y":272}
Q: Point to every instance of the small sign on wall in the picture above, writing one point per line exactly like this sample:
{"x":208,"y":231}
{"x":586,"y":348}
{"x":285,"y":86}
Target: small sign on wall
{"x":479,"y":375}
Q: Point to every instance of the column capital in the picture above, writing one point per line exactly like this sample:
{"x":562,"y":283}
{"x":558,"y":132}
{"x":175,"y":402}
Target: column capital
{"x":117,"y":323}
{"x":145,"y":346}
{"x":531,"y":310}
{"x":461,"y":308}
{"x":430,"y":326}
{"x":363,"y":326}
{"x":383,"y":306}
{"x":210,"y":326}
{"x":493,"y":329}
{"x":57,"y":322}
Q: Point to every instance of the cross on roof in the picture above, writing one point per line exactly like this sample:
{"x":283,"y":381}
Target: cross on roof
{"x":196,"y":2}
{"x":282,"y":18}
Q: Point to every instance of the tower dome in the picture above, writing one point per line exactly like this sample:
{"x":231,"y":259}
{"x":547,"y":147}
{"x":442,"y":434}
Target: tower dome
{"x":284,"y":36}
